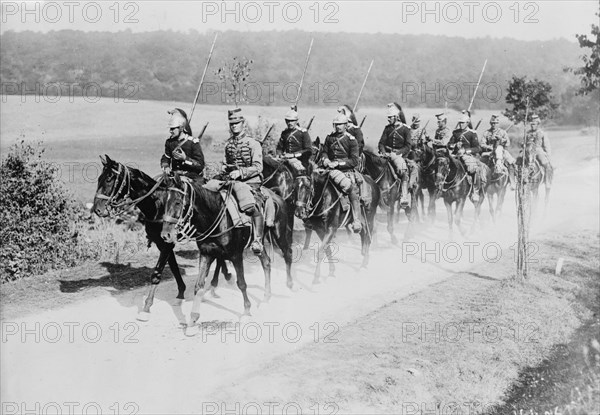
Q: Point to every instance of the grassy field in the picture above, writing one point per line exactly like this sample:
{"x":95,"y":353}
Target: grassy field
{"x":76,"y":133}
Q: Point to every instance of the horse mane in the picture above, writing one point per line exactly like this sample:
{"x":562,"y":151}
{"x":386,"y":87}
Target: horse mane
{"x":371,"y":157}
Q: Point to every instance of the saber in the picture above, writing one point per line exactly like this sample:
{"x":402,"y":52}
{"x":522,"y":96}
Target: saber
{"x":202,"y":132}
{"x":476,"y":87}
{"x":310,"y":123}
{"x":202,"y":79}
{"x":362,"y":87}
{"x":362,"y":122}
{"x":303,"y":73}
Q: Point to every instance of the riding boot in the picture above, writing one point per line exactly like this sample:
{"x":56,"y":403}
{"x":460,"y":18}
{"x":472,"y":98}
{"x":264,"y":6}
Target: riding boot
{"x":269,"y":212}
{"x":258,"y":224}
{"x":404,"y":202}
{"x":511,"y":176}
{"x":355,"y":203}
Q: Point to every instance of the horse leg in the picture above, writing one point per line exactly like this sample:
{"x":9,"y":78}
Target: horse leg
{"x":238,"y":264}
{"x":215,"y":279}
{"x":460,"y":205}
{"x":491,"y":204}
{"x":307,"y":239}
{"x":431,"y":209}
{"x":204,"y":263}
{"x":325,"y":237}
{"x":284,"y":238}
{"x":390,"y":220}
{"x":500,"y":201}
{"x":450,"y":217}
{"x":265,"y":261}
{"x":155,"y":279}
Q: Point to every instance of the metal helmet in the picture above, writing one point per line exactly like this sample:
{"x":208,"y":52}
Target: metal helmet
{"x":393,"y":110}
{"x":177,"y":120}
{"x":464,"y":118}
{"x":340,"y":119}
{"x":291,"y":115}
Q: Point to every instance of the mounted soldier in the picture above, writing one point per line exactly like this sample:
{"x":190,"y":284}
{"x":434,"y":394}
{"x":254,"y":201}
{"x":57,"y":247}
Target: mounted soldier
{"x":395,"y":144}
{"x":244,"y":164}
{"x":356,"y":131}
{"x":539,"y":139}
{"x":465,"y":144}
{"x":442,"y":134}
{"x":496,"y":137}
{"x":418,"y":132}
{"x":295,"y":145}
{"x":340,"y":154}
{"x":183,"y":153}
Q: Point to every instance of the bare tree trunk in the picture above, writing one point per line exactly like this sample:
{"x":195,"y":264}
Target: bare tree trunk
{"x":523,"y":209}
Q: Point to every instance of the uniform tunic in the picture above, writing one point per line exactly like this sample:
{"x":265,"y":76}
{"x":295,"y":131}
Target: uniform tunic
{"x":244,"y":153}
{"x":396,"y":138}
{"x":442,"y":137}
{"x":194,"y":161}
{"x":468,"y":139}
{"x":343,"y":148}
{"x":295,"y":141}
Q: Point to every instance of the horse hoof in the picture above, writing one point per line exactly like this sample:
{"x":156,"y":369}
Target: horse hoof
{"x":214,"y":294}
{"x":143,"y":316}
{"x":228,"y":276}
{"x":191,"y":331}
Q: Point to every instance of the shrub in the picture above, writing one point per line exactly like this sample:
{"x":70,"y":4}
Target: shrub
{"x":37,"y":215}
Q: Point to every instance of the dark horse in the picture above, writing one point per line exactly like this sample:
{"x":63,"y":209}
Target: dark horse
{"x":497,"y":181}
{"x":452,"y":185}
{"x":319,"y":206}
{"x":381,"y":171}
{"x":280,"y":179}
{"x":118,"y":182}
{"x":217,"y":236}
{"x":425,"y":156}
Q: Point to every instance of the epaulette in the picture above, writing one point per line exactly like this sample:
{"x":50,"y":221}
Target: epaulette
{"x":301,"y":129}
{"x":350,"y":136}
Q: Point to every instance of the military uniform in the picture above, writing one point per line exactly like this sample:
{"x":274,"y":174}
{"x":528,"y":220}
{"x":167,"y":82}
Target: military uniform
{"x":244,"y":153}
{"x":296,"y":142}
{"x":442,"y":136}
{"x":542,"y":145}
{"x":342,"y":148}
{"x":193,"y":165}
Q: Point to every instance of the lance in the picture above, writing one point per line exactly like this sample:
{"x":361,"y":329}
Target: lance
{"x":477,"y":86}
{"x":423,"y":131}
{"x":303,"y":73}
{"x":362,"y":122}
{"x":362,"y":87}
{"x":202,"y":79}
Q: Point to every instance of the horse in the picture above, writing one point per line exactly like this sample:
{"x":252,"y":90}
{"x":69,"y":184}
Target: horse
{"x":319,"y":206}
{"x":497,"y":182}
{"x":425,"y":156}
{"x":191,"y":206}
{"x":452,"y":185}
{"x":118,"y":182}
{"x":537,"y":176}
{"x":381,"y":171}
{"x":281,"y":180}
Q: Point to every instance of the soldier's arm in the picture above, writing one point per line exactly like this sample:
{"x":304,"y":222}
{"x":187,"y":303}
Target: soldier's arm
{"x":306,"y":146}
{"x":325,"y":153}
{"x":257,"y":162}
{"x":279,"y":148}
{"x":360,"y":140}
{"x":352,"y":161}
{"x":407,"y":142}
{"x":195,"y":162}
{"x":165,"y":160}
{"x":546,"y":144}
{"x":445,"y":139}
{"x":382,"y":142}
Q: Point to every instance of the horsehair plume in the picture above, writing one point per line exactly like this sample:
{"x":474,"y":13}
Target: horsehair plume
{"x":402,"y":117}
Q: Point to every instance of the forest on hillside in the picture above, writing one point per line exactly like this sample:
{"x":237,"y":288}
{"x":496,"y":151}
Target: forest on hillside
{"x":416,"y":71}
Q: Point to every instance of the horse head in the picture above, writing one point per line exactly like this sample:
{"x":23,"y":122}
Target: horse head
{"x":303,"y":187}
{"x":498,"y":159}
{"x":112,"y":186}
{"x":442,"y":169}
{"x":178,"y":198}
{"x":317,"y":150}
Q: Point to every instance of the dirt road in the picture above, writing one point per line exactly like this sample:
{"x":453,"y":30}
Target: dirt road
{"x":96,"y":357}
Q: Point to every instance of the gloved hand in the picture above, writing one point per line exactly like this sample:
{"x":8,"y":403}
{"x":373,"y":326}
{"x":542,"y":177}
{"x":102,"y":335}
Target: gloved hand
{"x":166,"y":170}
{"x":178,"y":154}
{"x":288,"y":155}
{"x":234,"y":175}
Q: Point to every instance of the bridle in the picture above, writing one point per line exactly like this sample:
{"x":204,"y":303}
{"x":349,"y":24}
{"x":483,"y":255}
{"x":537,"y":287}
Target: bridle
{"x":186,"y":231}
{"x":121,"y":191}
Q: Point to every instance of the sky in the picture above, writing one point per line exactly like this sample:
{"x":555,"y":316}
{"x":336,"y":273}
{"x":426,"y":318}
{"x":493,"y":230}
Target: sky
{"x":523,"y":20}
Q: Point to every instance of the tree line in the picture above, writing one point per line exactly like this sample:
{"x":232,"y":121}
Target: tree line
{"x":415,"y":70}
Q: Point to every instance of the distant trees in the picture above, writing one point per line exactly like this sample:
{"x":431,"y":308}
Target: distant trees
{"x":234,"y":76}
{"x":539,"y":93}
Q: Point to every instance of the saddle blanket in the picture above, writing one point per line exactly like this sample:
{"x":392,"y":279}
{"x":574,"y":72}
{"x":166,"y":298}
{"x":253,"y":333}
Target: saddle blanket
{"x":239,"y":218}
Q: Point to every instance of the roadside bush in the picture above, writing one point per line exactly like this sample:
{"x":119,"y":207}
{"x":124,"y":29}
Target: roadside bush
{"x":37,"y":215}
